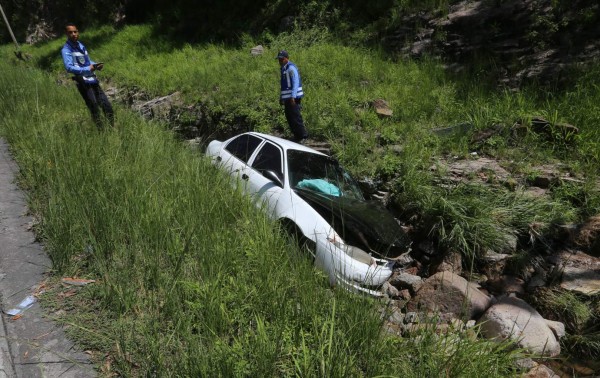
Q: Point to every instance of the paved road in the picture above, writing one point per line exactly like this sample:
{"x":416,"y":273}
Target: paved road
{"x":32,"y":345}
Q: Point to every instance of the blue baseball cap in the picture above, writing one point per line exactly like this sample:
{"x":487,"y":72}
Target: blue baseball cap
{"x":282,"y":54}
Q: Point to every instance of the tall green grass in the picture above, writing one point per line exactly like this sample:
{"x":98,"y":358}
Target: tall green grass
{"x":341,"y":82}
{"x":191,"y":279}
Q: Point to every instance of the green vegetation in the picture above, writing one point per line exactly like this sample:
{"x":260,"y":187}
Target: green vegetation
{"x":240,"y":91}
{"x":191,"y":280}
{"x":189,"y":271}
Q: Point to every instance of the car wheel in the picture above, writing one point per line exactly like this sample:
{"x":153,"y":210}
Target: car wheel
{"x":306,"y":245}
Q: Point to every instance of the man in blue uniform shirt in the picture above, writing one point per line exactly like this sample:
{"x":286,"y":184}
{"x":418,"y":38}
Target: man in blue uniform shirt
{"x":291,"y":96}
{"x":77,"y":62}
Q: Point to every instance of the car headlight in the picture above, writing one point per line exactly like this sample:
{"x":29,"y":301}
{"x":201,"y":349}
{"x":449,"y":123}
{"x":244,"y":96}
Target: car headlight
{"x":352,"y":251}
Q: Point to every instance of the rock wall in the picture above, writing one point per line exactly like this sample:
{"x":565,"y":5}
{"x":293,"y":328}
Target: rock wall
{"x":531,"y":40}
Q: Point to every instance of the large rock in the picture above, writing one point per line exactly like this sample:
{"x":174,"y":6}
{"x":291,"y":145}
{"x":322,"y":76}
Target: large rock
{"x":158,"y":108}
{"x":581,"y":272}
{"x":512,"y":318}
{"x":446,"y":292}
{"x":584,"y":281}
{"x":408,"y":281}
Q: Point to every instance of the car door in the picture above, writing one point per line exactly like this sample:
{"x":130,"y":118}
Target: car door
{"x":264,"y":190}
{"x":236,"y":154}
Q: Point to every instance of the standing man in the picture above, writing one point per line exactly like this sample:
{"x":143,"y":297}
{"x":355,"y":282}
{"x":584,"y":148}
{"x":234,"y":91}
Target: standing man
{"x":76,"y":60}
{"x":291,"y":96}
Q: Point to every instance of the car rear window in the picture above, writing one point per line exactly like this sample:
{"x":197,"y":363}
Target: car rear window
{"x":243,"y":146}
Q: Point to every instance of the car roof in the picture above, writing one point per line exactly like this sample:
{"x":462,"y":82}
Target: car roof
{"x":286,"y":144}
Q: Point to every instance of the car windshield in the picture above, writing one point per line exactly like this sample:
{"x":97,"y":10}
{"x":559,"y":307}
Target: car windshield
{"x":321,"y":174}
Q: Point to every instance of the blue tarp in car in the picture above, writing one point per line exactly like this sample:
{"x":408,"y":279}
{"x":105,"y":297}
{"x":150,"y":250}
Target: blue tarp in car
{"x":320,"y":185}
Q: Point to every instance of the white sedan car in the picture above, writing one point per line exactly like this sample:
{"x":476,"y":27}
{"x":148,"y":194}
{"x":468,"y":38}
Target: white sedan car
{"x":353,"y":240}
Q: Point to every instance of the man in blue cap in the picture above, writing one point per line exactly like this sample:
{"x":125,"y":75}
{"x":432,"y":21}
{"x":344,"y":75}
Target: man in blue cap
{"x":291,"y":96}
{"x":77,"y":62}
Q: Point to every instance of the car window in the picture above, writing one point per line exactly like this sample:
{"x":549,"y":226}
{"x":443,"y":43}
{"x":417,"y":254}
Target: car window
{"x":269,"y":158}
{"x":243,"y":146}
{"x":322,"y":174}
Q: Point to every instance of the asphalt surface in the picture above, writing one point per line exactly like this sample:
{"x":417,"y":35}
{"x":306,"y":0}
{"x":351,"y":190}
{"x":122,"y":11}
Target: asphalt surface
{"x":31,"y":344}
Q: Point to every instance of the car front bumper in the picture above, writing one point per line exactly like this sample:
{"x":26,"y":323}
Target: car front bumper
{"x":349,"y":273}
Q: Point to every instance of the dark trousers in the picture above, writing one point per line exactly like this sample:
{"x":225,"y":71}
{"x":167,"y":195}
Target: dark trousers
{"x":95,"y":98}
{"x":294,"y":119}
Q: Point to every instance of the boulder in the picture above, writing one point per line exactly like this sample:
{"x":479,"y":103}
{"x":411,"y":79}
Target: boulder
{"x":406,"y":281}
{"x":446,"y":292}
{"x":580,"y":271}
{"x":158,"y":108}
{"x":581,"y":280}
{"x":512,"y":318}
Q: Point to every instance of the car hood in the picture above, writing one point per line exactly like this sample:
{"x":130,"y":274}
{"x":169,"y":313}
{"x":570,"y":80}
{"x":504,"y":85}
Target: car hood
{"x":365,"y":224}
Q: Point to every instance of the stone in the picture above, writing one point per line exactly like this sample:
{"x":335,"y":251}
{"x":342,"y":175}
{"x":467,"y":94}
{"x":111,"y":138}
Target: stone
{"x":404,"y":259}
{"x":382,"y":108}
{"x":511,"y":243}
{"x":494,"y":257}
{"x":580,"y":271}
{"x":257,"y":50}
{"x":526,"y":363}
{"x":451,"y":262}
{"x":539,"y":280}
{"x":512,"y":318}
{"x":411,"y":317}
{"x":581,"y":280}
{"x":535,"y":192}
{"x":479,"y":169}
{"x":405,"y":294}
{"x":390,"y":290}
{"x":392,"y":329}
{"x":557,"y":327}
{"x":406,"y":281}
{"x":545,"y":176}
{"x":158,"y":108}
{"x":447,"y":292}
{"x":541,"y":371}
{"x":396,"y":317}
{"x":506,"y":284}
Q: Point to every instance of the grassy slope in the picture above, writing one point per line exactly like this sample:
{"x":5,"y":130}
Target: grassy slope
{"x":192,"y":281}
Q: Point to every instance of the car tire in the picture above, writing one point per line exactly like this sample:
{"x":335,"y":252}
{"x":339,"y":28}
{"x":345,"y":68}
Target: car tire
{"x":306,"y":245}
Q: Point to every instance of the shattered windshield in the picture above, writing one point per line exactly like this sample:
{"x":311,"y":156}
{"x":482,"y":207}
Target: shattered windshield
{"x":321,"y":174}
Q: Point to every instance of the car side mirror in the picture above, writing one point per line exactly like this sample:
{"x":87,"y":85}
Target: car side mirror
{"x":273,"y":177}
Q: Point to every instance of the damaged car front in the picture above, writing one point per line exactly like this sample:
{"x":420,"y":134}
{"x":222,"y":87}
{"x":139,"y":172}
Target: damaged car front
{"x":364,"y":237}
